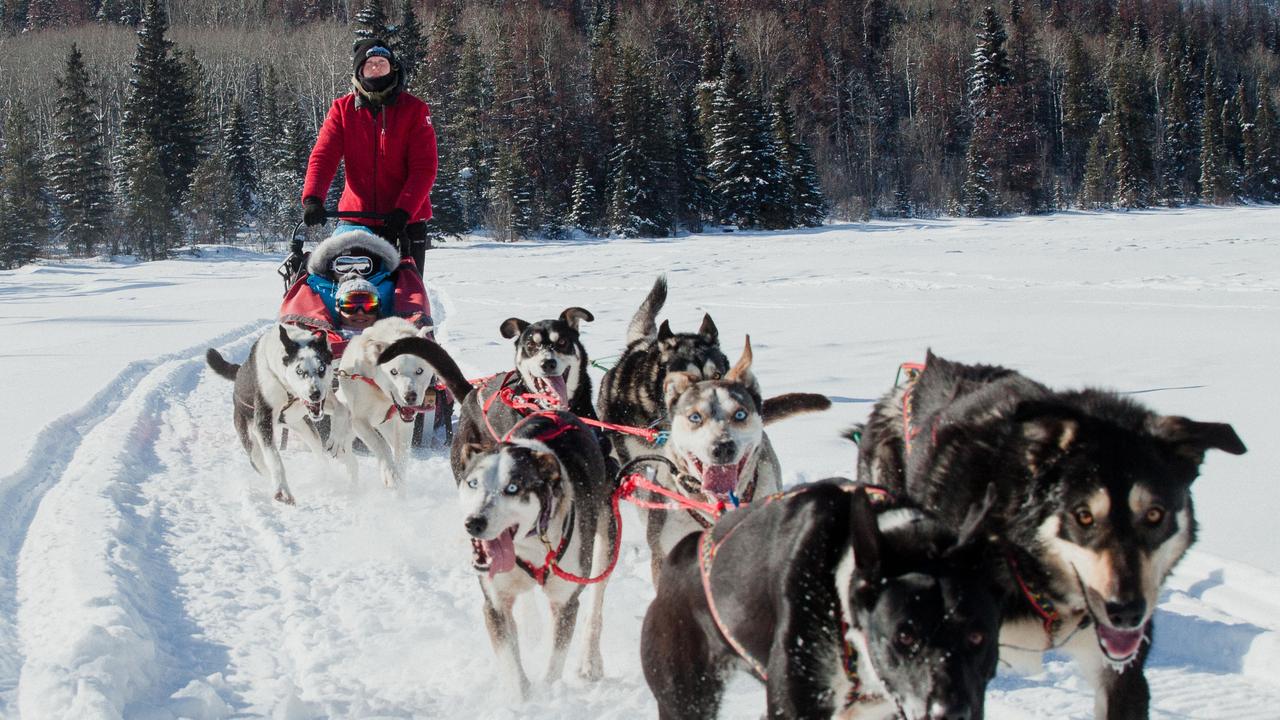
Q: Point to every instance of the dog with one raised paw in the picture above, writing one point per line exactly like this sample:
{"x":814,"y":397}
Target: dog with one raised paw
{"x":287,"y":379}
{"x":1093,"y":505}
{"x":537,"y":508}
{"x":842,"y":609}
{"x":387,"y":377}
{"x":718,"y":448}
{"x":550,"y":373}
{"x":631,"y":392}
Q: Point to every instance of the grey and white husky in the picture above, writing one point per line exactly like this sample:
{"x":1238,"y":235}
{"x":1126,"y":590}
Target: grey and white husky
{"x":287,"y":379}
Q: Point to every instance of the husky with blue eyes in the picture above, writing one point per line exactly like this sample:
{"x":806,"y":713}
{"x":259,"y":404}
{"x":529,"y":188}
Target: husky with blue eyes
{"x":718,"y":450}
{"x":537,"y":508}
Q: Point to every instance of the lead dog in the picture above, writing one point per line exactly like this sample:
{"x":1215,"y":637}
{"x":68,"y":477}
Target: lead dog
{"x":631,"y":392}
{"x":718,"y":448}
{"x":545,"y":487}
{"x":839,"y":609}
{"x":551,"y":365}
{"x":387,"y":377}
{"x":288,"y":379}
{"x":1093,"y":502}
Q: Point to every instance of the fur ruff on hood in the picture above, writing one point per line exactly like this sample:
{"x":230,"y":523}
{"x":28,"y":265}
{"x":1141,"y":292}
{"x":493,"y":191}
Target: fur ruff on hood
{"x":340,"y":244}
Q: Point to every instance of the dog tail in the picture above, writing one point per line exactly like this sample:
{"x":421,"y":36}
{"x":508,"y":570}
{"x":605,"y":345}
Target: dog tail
{"x":643,"y":323}
{"x":781,"y":407}
{"x":220,"y":365}
{"x":436,"y":357}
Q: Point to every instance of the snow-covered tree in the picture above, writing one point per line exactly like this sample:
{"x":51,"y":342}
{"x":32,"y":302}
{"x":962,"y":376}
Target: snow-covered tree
{"x":24,"y":234}
{"x":79,"y":177}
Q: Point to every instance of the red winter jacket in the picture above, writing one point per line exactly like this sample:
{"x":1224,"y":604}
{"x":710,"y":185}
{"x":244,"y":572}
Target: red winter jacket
{"x":390,"y":157}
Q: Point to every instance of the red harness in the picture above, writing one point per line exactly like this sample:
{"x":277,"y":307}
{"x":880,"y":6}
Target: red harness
{"x":406,"y":412}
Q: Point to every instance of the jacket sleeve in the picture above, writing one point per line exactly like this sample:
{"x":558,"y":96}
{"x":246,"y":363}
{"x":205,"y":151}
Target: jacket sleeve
{"x":326,"y":154}
{"x":422,"y":163}
{"x":411,"y":295}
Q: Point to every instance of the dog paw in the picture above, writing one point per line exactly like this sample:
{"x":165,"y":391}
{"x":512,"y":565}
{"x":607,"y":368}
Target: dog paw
{"x":285,"y":497}
{"x":592,"y":669}
{"x":390,"y":479}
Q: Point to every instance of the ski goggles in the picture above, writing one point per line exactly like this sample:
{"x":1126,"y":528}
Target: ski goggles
{"x":358,"y":301}
{"x":357,"y":264}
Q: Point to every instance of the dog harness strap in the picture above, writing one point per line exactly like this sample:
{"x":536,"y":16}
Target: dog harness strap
{"x":623,"y":490}
{"x":539,"y":574}
{"x":706,"y":556}
{"x":1040,"y":603}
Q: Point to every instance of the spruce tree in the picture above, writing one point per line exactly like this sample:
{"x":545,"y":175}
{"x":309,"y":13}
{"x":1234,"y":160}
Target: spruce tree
{"x":990,"y":68}
{"x":447,"y":213}
{"x":438,"y":77}
{"x":1180,"y":152}
{"x":470,"y":102}
{"x":582,"y":200}
{"x":743,"y":158}
{"x":411,"y":44}
{"x":508,"y":199}
{"x":640,"y":166}
{"x":804,"y":202}
{"x":694,"y":199}
{"x":373,"y":22}
{"x":242,"y":170}
{"x":1131,"y":123}
{"x":25,"y":231}
{"x":1264,"y":179}
{"x":79,"y":177}
{"x":1098,"y":186}
{"x":150,"y":222}
{"x":212,"y":208}
{"x":1081,"y":110}
{"x":1215,"y":169}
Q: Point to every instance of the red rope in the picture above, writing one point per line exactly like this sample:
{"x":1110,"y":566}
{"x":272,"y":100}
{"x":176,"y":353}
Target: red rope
{"x":638,"y":482}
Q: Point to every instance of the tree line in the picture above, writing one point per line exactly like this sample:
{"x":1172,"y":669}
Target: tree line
{"x":139,"y":125}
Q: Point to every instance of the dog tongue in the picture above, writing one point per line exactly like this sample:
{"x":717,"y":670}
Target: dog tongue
{"x":720,"y":479}
{"x":1119,"y":644}
{"x":561,"y":388}
{"x":502,"y":552}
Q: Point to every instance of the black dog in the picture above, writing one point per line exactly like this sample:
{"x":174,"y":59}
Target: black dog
{"x":1092,"y":498}
{"x":551,"y":366}
{"x":835,"y":606}
{"x":631,"y":392}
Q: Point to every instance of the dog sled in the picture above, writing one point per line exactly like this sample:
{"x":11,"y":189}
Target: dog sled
{"x":311,"y":278}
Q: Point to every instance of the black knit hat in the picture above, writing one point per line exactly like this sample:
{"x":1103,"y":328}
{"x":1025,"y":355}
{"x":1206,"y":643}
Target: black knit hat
{"x":367,"y":48}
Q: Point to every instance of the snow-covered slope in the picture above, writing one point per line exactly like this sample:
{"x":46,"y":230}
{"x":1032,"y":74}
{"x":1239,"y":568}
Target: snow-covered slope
{"x":145,"y":572}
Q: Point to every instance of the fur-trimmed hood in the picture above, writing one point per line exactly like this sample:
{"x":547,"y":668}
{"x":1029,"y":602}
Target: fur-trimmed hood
{"x":340,"y":244}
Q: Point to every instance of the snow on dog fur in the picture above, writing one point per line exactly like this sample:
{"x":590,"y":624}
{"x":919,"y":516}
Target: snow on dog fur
{"x":386,"y":377}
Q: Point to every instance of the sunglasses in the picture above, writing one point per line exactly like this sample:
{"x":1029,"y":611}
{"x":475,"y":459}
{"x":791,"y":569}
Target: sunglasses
{"x":360,"y":301}
{"x":357,"y":264}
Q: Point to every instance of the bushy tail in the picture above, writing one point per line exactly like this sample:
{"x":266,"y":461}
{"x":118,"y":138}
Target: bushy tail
{"x":220,"y":365}
{"x":435,"y":356}
{"x":643,"y":323}
{"x":781,"y":407}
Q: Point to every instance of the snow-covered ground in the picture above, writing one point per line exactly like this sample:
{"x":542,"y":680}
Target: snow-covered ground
{"x":145,"y":572}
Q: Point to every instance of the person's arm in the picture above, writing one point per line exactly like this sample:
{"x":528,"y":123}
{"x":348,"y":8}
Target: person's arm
{"x":421,"y":163}
{"x":325,"y":155}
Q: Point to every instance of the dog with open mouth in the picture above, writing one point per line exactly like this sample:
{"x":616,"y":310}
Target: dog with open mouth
{"x":843,"y":606}
{"x":1093,"y":505}
{"x":717,"y":448}
{"x":286,"y":380}
{"x":537,"y":509}
{"x":550,"y":374}
{"x":387,"y":377}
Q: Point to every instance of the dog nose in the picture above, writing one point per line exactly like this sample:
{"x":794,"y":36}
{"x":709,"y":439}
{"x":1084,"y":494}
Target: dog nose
{"x":476,"y":524}
{"x":411,"y":397}
{"x":316,"y":394}
{"x":549,"y":365}
{"x":1126,"y":614}
{"x":724,"y":451}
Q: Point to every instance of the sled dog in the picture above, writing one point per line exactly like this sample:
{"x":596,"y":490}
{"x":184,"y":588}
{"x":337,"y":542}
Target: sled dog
{"x":1093,"y":503}
{"x":718,"y":447}
{"x":861,"y":612}
{"x":286,"y":379}
{"x":386,"y":378}
{"x":631,"y":392}
{"x":543,"y":488}
{"x":551,"y":366}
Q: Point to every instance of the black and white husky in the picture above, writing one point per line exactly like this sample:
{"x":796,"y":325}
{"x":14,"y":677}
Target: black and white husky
{"x":632,"y":391}
{"x":842,"y":610}
{"x":288,"y":379}
{"x":718,"y":447}
{"x":551,"y":367}
{"x":386,"y":378}
{"x":1093,"y":502}
{"x":542,"y":491}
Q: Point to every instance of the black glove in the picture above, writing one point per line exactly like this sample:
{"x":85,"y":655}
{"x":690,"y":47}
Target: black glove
{"x":313,"y":211}
{"x":394,"y":224}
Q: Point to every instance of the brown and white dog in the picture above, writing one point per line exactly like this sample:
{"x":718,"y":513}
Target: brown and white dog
{"x":718,"y":447}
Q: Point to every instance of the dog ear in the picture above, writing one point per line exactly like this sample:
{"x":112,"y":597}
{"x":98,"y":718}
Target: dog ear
{"x":512,"y":327}
{"x":708,"y":329}
{"x":674,"y":385}
{"x":664,"y":330}
{"x":469,"y":451}
{"x":548,"y":465}
{"x":741,"y":371}
{"x":425,"y":331}
{"x":864,"y":539}
{"x":575,"y":315}
{"x":290,"y":346}
{"x":1190,"y":438}
{"x":1049,"y":430}
{"x":975,"y":521}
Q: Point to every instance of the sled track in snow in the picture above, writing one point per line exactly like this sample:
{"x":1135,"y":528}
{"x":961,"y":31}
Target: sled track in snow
{"x":53,"y":453}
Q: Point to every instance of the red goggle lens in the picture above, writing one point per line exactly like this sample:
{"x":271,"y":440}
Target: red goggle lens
{"x":359,"y":301}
